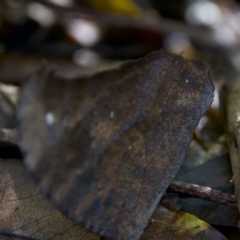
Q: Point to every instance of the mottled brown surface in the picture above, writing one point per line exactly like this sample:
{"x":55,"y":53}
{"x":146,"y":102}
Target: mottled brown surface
{"x":105,"y":148}
{"x":26,"y":214}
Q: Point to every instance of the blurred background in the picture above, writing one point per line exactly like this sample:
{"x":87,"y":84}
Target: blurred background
{"x":84,"y":36}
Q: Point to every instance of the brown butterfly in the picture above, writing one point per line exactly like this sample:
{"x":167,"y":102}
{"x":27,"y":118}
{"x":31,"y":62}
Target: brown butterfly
{"x":105,"y":148}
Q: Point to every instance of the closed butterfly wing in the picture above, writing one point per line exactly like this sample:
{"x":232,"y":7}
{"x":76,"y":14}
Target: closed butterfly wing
{"x":105,"y":148}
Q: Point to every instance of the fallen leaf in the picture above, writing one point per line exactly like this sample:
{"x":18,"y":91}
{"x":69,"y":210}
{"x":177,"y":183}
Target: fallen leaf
{"x":26,"y":213}
{"x":170,"y":225}
{"x":105,"y":148}
{"x":210,"y":212}
{"x":215,"y":173}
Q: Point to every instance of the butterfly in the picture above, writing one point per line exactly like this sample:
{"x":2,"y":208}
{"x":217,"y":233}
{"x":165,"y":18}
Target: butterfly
{"x":104,"y":148}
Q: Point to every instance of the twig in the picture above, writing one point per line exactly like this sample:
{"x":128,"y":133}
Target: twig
{"x":233,"y":118}
{"x":9,"y":136}
{"x":163,"y":26}
{"x":204,"y":192}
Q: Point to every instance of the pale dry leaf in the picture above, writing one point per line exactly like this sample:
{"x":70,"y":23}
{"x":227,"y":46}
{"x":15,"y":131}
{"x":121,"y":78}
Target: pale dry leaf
{"x":26,"y":213}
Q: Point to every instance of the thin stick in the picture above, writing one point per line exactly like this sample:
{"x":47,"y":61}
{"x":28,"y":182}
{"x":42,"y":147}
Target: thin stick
{"x":204,"y":192}
{"x":233,"y":119}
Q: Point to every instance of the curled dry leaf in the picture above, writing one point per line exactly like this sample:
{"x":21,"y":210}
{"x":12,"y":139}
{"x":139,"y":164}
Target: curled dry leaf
{"x":26,"y":213}
{"x":105,"y":148}
{"x":170,"y":225}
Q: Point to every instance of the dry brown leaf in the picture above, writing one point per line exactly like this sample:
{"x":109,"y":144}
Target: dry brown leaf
{"x":26,"y":213}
